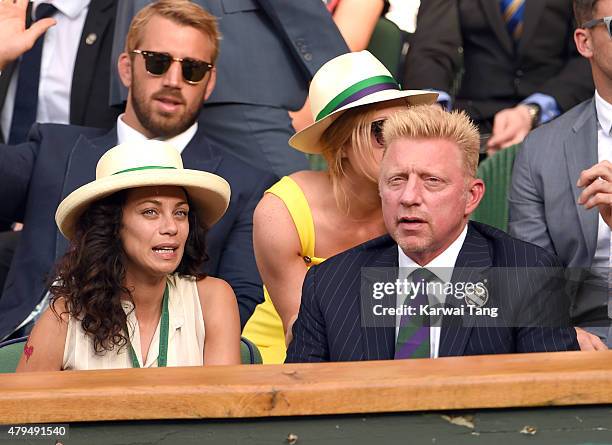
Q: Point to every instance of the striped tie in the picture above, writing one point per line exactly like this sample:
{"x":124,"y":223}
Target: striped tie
{"x":413,"y":335}
{"x":512,"y":11}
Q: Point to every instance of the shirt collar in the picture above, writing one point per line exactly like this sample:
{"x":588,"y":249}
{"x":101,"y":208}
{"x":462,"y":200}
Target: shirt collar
{"x":604,"y":113}
{"x":125,"y":133}
{"x":70,"y":8}
{"x":442,"y":265}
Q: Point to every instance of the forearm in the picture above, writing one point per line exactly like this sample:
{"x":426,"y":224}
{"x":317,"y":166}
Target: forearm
{"x":356,"y":20}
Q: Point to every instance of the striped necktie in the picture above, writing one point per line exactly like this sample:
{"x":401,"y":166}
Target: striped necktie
{"x":413,"y":335}
{"x":26,"y":97}
{"x":512,"y":12}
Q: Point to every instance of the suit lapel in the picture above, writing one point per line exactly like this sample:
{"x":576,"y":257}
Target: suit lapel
{"x":379,"y":340}
{"x":97,"y":27}
{"x":81,"y":168}
{"x":199,"y":154}
{"x":492,"y":11}
{"x":472,"y":263}
{"x":581,"y":153}
{"x":531,"y":18}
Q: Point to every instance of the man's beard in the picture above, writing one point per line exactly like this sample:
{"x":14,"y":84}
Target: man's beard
{"x":161,"y":125}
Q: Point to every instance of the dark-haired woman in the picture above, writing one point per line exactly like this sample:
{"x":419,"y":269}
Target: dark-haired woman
{"x":129,"y":291}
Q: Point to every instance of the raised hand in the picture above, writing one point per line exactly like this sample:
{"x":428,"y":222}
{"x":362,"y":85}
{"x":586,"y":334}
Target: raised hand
{"x":15,"y":38}
{"x":597,"y":184}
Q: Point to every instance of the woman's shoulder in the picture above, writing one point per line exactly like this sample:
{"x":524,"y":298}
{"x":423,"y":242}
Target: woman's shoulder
{"x":213,"y":288}
{"x":315,"y":185}
{"x":309,"y":179}
{"x":59,"y":307}
{"x":218,"y":303}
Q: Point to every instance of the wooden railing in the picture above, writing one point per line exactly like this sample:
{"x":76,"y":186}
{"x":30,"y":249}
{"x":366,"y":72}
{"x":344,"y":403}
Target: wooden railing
{"x":521,"y":380}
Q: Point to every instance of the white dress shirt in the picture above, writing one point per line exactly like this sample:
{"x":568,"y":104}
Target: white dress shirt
{"x":125,"y":133}
{"x":442,"y":267}
{"x":56,"y":66}
{"x":601,"y":261}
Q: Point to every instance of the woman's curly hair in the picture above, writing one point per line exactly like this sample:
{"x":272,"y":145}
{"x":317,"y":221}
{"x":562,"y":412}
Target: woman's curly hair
{"x":90,"y":276}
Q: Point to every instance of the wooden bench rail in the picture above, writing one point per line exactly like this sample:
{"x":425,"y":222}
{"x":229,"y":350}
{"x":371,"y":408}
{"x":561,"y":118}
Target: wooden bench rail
{"x":502,"y":381}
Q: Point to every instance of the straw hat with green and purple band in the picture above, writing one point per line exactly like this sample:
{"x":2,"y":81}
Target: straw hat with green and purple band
{"x":142,"y":164}
{"x":348,"y":81}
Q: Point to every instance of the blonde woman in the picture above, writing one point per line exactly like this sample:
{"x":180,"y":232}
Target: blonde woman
{"x":309,"y":216}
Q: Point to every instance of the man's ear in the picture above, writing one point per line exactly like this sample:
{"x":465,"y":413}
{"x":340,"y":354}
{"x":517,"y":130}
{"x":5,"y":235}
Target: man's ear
{"x":124,"y":66}
{"x":584,"y":43}
{"x":210,"y":86}
{"x":476,"y":190}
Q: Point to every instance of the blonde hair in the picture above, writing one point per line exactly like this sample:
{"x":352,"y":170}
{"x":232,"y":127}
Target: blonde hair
{"x":431,"y":121}
{"x":351,"y":129}
{"x":182,"y":12}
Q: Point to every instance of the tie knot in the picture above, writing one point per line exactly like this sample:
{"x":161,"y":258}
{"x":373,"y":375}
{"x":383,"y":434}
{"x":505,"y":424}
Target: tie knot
{"x":422,"y":274}
{"x":44,"y":10}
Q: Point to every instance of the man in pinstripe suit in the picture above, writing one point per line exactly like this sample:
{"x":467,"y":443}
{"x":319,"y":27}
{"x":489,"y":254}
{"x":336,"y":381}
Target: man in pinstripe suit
{"x":428,"y":190}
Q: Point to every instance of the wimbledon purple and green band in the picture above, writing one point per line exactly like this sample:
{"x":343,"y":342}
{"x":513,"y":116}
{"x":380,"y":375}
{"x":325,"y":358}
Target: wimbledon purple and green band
{"x":358,"y":91}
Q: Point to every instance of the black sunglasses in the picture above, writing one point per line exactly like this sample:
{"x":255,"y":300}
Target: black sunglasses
{"x":605,"y":20}
{"x":157,"y":64}
{"x":376,"y":128}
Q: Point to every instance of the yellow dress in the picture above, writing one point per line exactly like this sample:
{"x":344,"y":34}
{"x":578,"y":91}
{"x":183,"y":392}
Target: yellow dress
{"x":265,"y":327}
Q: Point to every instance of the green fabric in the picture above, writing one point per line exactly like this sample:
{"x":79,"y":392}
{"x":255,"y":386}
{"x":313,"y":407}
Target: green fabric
{"x":496,"y":172}
{"x":9,"y":357}
{"x":249,"y":356}
{"x":386,"y":44}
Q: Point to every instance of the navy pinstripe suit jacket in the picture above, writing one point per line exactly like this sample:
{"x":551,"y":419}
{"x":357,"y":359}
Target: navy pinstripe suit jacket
{"x":329,"y":325}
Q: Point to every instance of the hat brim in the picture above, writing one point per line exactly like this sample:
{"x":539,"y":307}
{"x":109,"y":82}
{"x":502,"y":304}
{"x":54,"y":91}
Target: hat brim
{"x":209,"y":193}
{"x":309,"y":139}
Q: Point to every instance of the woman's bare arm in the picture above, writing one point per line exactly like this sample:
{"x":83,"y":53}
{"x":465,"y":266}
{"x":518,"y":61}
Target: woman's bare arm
{"x":356,"y":20}
{"x":44,"y":350}
{"x":221,"y":322}
{"x":277,"y":252}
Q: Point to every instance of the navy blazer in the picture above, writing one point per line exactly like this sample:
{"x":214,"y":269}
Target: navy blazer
{"x":330,"y":325}
{"x":57,"y":159}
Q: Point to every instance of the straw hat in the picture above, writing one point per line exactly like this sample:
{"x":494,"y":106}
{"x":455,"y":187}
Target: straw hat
{"x":140,"y":164}
{"x":348,"y":81}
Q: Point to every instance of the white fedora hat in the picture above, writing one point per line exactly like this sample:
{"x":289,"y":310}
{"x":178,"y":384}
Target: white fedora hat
{"x":348,"y":81}
{"x":141,"y":164}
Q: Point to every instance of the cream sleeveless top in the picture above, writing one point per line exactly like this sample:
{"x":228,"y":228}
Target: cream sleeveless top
{"x":185,"y":335}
